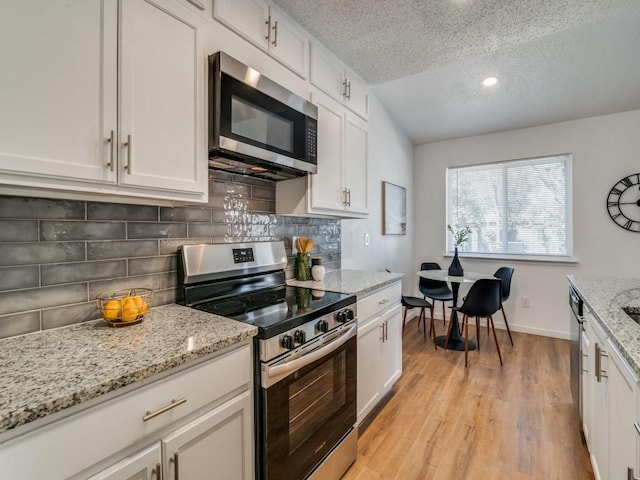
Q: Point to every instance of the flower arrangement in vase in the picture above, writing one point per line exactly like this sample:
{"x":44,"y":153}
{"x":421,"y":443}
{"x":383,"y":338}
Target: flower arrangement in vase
{"x":459,"y":237}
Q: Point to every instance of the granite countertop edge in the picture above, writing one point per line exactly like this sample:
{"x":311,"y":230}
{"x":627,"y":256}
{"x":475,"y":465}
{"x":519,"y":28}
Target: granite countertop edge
{"x":605,"y":297}
{"x":35,"y":386}
{"x":353,"y":282}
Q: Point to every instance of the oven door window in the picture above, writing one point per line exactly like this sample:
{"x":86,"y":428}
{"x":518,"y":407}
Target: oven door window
{"x":249,"y":116}
{"x":308,"y":413}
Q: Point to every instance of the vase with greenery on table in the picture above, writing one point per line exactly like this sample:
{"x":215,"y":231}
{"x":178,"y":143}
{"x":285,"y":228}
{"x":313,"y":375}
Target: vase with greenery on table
{"x":459,"y":237}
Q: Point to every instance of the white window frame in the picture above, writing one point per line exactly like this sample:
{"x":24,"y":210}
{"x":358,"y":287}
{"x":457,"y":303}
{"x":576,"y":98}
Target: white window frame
{"x":567,"y":257}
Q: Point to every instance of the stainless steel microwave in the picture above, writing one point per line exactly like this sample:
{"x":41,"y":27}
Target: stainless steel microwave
{"x":257,"y":127}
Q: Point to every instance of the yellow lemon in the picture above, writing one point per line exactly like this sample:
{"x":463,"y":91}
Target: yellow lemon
{"x":141,"y":304}
{"x":129,"y":310}
{"x":112,"y":309}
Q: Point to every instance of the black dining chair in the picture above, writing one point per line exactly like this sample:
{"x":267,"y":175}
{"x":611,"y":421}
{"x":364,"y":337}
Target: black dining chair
{"x":504,"y":274}
{"x":482,"y":301}
{"x":414,"y":302}
{"x":435,"y":289}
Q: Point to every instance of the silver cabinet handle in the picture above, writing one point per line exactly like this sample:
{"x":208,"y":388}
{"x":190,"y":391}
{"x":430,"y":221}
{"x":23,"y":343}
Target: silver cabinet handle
{"x":111,"y":141}
{"x":176,"y":466}
{"x":637,"y":427}
{"x":348,"y":95}
{"x":386,"y":331}
{"x":344,"y":88}
{"x":128,"y":145}
{"x":157,"y":471}
{"x":344,"y":202}
{"x":382,"y":332}
{"x":348,"y":197}
{"x":382,"y":302}
{"x":275,"y":34}
{"x":160,"y":411}
{"x":630,"y":475}
{"x":603,"y":372}
{"x":268,"y":24}
{"x":597,"y":363}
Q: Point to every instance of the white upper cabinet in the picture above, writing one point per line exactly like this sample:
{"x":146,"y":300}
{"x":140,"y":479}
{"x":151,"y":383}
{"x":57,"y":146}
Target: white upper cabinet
{"x":57,"y":90}
{"x":329,"y":75}
{"x":339,"y":189}
{"x":161,"y":141}
{"x":268,"y":28}
{"x":98,"y":111}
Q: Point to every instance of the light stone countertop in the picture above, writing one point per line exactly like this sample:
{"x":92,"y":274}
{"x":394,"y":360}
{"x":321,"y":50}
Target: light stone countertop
{"x":605,"y":297}
{"x":358,"y":282}
{"x":47,"y":372}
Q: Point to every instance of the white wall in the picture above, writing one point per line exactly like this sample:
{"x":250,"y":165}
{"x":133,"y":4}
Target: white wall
{"x":390,"y":160}
{"x":605,"y":149}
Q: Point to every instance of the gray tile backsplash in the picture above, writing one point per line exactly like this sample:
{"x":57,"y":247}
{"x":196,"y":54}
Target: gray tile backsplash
{"x":57,"y":255}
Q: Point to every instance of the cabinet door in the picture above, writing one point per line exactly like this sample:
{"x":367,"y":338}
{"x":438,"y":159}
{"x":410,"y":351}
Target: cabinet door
{"x":391,"y":348}
{"x":162,"y":97}
{"x":623,"y":444}
{"x":599,"y":446}
{"x":248,"y":18}
{"x":370,"y":334}
{"x":586,"y":378}
{"x":355,"y":165}
{"x":57,"y":91}
{"x":326,"y":186}
{"x":325,"y":73}
{"x":144,"y":465}
{"x":219,"y":442}
{"x":288,"y":44}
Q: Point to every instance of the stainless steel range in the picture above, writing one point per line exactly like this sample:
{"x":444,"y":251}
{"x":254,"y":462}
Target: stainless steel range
{"x":305,"y":356}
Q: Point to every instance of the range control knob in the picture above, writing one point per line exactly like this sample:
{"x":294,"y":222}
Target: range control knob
{"x":299,"y":336}
{"x":322,"y":326}
{"x":287,"y":342}
{"x":341,"y":316}
{"x":350,"y":314}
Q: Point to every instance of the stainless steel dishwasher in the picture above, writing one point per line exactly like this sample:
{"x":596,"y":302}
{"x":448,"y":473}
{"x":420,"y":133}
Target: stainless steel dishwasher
{"x":576,"y":328}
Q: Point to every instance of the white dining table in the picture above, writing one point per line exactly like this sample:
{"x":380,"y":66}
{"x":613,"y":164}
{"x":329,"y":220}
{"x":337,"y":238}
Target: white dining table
{"x":454,"y":340}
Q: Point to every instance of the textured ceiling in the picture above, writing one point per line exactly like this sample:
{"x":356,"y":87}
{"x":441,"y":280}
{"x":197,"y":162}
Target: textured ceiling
{"x":557,"y":60}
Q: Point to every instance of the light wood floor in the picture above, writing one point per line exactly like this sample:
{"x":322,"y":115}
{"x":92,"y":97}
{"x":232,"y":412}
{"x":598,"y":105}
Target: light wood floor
{"x":445,"y":422}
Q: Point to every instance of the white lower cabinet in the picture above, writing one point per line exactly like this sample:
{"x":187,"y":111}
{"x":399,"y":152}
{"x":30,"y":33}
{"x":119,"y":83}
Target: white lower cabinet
{"x":183,"y":426}
{"x":219,"y":441}
{"x":143,"y":465}
{"x":379,"y":347}
{"x":610,"y":415}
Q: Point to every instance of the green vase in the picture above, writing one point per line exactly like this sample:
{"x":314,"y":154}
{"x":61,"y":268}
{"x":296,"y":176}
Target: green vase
{"x":302,"y":266}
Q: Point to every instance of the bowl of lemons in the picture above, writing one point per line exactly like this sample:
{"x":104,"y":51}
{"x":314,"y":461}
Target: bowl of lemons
{"x":121,"y":308}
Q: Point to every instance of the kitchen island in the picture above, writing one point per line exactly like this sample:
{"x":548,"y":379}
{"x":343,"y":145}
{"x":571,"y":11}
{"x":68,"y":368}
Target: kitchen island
{"x":605,"y":297}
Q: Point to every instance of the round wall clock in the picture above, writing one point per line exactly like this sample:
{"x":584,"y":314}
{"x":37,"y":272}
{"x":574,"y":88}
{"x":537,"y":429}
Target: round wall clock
{"x":623,"y":203}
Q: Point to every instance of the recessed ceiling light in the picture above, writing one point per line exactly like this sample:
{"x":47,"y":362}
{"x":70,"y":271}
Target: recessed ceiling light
{"x":490,"y":81}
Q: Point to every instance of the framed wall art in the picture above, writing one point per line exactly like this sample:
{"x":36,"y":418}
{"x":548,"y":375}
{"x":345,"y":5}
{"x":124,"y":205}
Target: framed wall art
{"x":394,"y":209}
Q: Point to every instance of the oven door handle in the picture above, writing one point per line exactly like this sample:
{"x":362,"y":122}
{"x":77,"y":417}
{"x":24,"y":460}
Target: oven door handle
{"x":280,"y":371}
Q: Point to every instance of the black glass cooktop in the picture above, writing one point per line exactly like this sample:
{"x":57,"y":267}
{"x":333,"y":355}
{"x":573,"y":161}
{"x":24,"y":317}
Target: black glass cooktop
{"x":276,"y":310}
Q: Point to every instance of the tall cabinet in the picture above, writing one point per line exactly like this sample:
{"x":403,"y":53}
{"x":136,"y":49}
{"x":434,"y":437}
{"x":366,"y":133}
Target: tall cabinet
{"x":112,"y":103}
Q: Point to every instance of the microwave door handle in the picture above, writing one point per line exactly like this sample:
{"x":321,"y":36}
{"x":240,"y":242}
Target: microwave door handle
{"x":298,"y":363}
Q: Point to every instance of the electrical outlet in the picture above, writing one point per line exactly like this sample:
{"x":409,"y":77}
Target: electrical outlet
{"x":525,"y":302}
{"x":366,"y":239}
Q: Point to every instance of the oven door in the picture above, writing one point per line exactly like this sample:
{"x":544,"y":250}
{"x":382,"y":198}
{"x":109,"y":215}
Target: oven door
{"x":310,"y":410}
